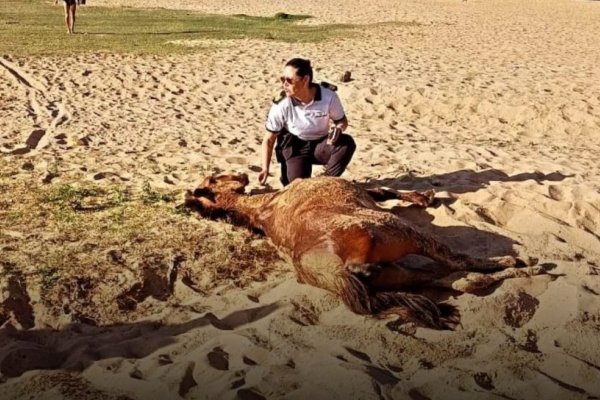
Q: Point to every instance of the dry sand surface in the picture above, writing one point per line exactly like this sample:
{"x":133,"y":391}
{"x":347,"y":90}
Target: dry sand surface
{"x":494,"y":104}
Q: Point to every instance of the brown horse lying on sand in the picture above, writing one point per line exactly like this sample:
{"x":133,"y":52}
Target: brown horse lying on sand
{"x":340,"y":240}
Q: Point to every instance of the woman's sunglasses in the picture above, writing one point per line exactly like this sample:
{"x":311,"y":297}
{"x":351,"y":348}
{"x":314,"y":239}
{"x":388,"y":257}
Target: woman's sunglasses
{"x":285,"y":79}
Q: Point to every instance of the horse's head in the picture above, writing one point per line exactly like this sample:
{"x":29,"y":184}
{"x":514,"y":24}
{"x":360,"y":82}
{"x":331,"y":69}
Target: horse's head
{"x":206,"y":195}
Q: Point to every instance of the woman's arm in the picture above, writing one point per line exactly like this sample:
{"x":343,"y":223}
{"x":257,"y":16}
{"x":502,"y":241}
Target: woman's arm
{"x":342,"y":124}
{"x":267,"y":152}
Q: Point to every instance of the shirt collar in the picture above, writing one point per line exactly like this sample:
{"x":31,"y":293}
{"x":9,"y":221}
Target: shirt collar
{"x":318,"y":96}
{"x":318,"y":92}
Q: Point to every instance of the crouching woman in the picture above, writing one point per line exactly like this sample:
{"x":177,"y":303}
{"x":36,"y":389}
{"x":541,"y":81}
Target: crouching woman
{"x":298,"y":127}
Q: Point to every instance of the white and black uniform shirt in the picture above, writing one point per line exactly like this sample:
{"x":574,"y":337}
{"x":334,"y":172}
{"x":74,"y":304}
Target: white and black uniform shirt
{"x":307,"y":121}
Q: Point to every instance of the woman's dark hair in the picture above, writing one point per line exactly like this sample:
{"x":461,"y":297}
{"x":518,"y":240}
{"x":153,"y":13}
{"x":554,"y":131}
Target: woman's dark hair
{"x":302,"y":66}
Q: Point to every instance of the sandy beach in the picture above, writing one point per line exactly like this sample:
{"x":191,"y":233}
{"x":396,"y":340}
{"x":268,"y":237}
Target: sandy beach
{"x":494,"y":104}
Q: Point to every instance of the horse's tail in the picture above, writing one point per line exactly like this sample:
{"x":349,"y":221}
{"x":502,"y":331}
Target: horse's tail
{"x":408,"y":306}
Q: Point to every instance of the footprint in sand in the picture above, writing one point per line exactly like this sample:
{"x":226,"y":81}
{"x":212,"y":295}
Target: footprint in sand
{"x":304,"y":314}
{"x":238,"y":383}
{"x":358,"y":354}
{"x":104,"y":175}
{"x":249,"y":394}
{"x":484,"y":380}
{"x":219,"y":359}
{"x":520,"y":309}
{"x":18,"y":151}
{"x":61,"y":138}
{"x":248,"y":361}
{"x":236,"y":160}
{"x":380,"y":375}
{"x":35,"y":138}
{"x":187,"y":381}
{"x":17,"y":300}
{"x":414,"y":394}
{"x":556,"y":193}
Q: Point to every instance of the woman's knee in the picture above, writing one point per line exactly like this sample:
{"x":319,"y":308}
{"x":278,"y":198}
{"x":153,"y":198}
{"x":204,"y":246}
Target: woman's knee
{"x":297,"y":167}
{"x":347,"y":144}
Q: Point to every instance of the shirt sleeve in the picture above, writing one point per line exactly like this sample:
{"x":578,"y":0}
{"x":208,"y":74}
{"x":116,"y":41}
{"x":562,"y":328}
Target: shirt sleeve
{"x":336,"y":111}
{"x":275,"y":120}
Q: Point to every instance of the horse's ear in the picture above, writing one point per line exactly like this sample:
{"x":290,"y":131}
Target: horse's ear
{"x":208,"y":181}
{"x":244,"y":181}
{"x":241,"y":181}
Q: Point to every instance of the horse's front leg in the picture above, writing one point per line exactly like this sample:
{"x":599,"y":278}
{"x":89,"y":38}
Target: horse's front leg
{"x":422,"y":199}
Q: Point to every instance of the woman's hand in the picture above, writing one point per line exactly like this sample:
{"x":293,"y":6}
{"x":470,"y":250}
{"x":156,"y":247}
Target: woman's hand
{"x":263,"y":175}
{"x":267,"y":151}
{"x":334,"y":135}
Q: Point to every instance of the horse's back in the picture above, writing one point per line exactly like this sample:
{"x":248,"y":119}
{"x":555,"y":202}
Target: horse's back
{"x":323,"y":193}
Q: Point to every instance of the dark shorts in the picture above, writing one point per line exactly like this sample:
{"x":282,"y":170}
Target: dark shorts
{"x":73,"y":2}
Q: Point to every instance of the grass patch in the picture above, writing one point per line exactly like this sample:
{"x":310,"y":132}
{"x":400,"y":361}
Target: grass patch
{"x":34,"y":27}
{"x":83,"y":245}
{"x":48,"y":277}
{"x":150,"y":196}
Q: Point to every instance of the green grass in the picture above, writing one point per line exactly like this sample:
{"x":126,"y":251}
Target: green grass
{"x":57,"y":236}
{"x":34,"y":27}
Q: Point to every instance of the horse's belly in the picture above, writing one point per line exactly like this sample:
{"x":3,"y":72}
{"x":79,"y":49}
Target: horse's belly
{"x":375,"y":243}
{"x":374,"y":237}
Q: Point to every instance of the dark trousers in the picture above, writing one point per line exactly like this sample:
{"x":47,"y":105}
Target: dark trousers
{"x":297,"y":156}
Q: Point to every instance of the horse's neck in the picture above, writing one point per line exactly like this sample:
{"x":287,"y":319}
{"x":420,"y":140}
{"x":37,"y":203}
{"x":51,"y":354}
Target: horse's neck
{"x":253,"y":204}
{"x":249,"y":209}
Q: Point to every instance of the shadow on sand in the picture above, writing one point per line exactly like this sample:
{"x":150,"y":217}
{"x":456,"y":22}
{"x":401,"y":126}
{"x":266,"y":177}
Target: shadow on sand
{"x":77,"y":346}
{"x":463,"y":181}
{"x":462,"y":239}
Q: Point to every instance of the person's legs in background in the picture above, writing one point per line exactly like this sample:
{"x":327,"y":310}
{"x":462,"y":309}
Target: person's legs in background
{"x":70,"y":8}
{"x":67,"y":16}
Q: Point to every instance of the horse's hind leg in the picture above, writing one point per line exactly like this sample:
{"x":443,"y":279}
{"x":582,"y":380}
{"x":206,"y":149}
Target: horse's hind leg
{"x":472,"y":282}
{"x":441,"y":253}
{"x":396,"y":276}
